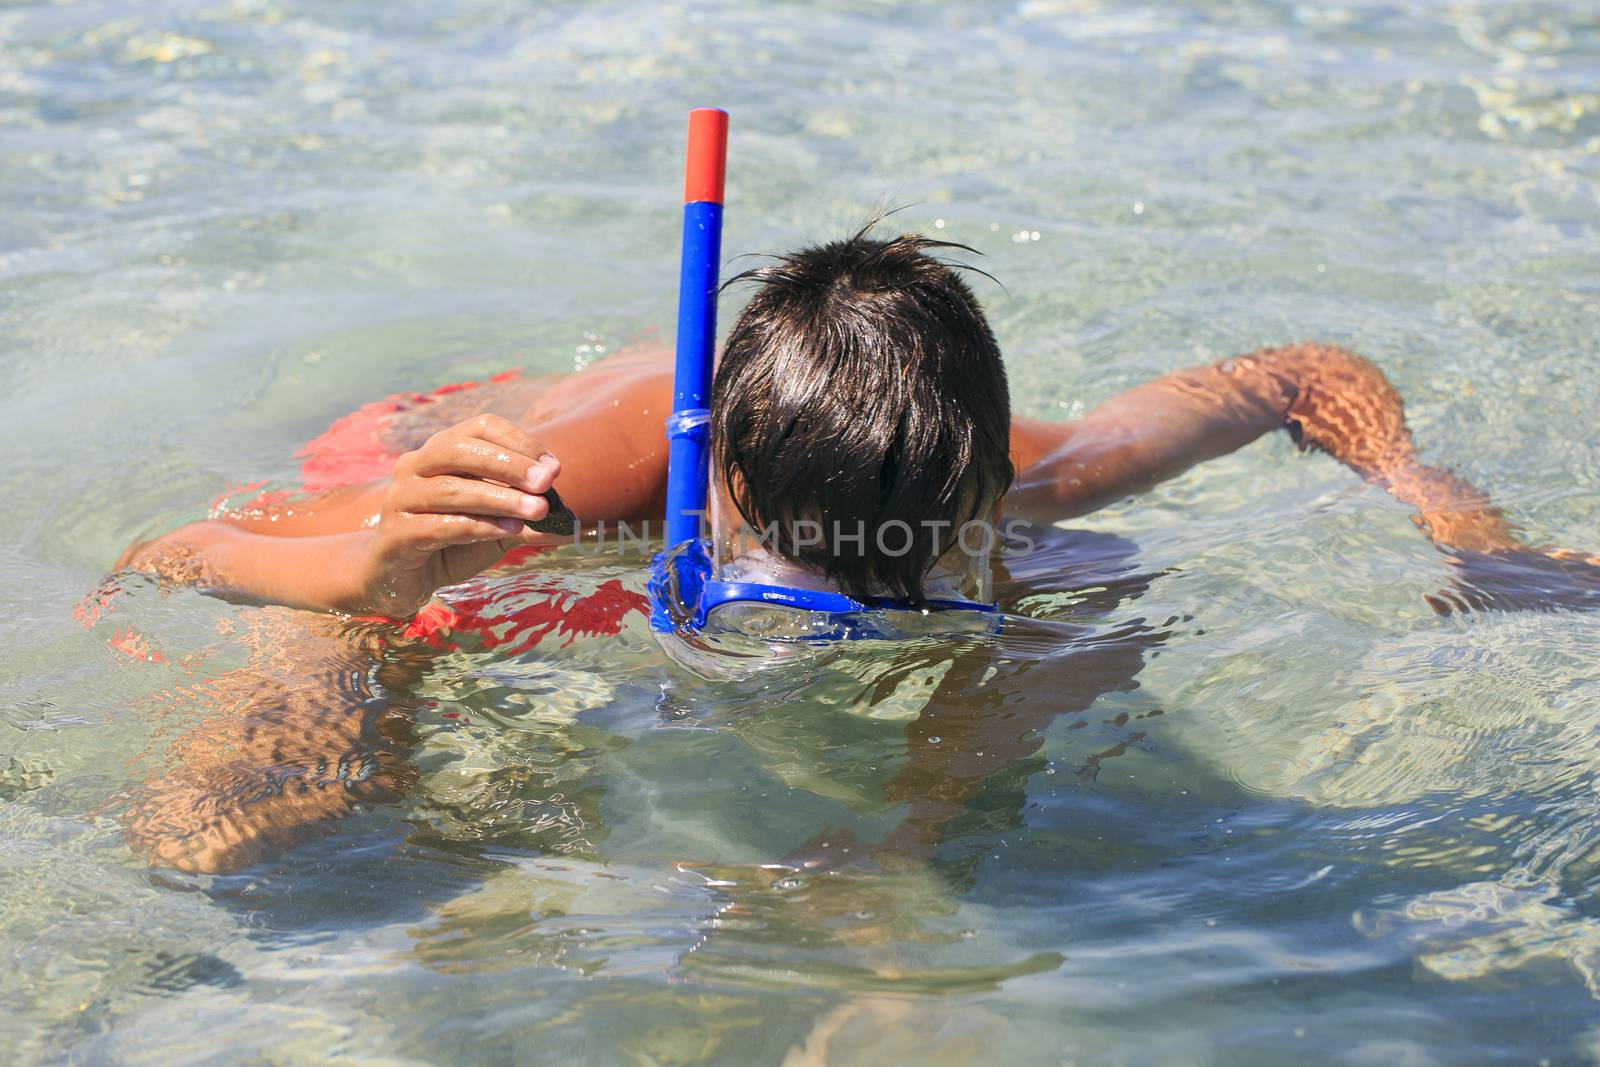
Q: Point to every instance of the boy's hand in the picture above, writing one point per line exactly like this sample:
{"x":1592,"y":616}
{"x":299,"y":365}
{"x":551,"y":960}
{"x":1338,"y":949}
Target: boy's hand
{"x":456,"y":505}
{"x":1520,"y":579}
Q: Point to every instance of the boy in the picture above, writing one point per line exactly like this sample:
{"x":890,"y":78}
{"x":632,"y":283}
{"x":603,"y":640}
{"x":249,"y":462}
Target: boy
{"x":861,"y":386}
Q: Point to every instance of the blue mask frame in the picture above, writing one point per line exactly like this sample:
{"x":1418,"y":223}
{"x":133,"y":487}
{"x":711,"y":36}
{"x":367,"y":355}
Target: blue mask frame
{"x":683,"y":590}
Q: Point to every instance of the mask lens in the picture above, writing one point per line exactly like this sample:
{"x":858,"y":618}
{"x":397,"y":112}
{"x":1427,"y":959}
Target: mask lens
{"x":768,"y":622}
{"x":911,"y":623}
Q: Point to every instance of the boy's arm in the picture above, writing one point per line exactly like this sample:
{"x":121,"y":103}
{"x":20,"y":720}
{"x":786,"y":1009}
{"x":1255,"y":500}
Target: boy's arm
{"x":1327,"y":398}
{"x":1147,"y":434}
{"x":454,"y":507}
{"x":292,"y":741}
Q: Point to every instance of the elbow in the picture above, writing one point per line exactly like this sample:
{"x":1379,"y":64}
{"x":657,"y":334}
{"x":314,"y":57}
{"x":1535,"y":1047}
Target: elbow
{"x":1342,"y":404}
{"x":1313,"y":365}
{"x":179,"y":557}
{"x":1306,"y":363}
{"x":133,"y":552}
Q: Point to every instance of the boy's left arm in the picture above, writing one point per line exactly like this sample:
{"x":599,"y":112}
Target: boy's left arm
{"x":1329,"y":399}
{"x":315,"y":726}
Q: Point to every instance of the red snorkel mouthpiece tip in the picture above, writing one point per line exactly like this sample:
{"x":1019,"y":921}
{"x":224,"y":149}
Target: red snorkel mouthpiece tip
{"x":708,"y":156}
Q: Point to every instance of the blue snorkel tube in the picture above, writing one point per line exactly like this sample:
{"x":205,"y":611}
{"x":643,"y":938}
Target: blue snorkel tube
{"x":688,"y":428}
{"x":683,"y":590}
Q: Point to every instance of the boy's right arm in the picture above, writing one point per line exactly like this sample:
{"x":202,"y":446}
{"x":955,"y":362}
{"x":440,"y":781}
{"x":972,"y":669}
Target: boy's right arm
{"x":454,"y":507}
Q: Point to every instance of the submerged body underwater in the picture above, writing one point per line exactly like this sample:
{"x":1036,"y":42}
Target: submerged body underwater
{"x":1223,"y":789}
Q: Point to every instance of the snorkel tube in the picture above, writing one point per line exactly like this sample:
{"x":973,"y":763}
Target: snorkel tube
{"x":688,"y":428}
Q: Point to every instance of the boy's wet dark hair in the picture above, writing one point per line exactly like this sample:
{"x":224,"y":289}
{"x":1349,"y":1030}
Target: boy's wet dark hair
{"x":861,"y":389}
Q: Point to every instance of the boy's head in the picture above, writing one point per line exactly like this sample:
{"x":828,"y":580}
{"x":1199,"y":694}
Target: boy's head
{"x":861,"y":392}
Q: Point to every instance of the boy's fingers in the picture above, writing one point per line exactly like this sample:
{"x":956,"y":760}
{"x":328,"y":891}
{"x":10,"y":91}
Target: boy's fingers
{"x":432,"y":532}
{"x":475,"y":457}
{"x":499,"y":431}
{"x":449,"y":494}
{"x":508,"y":435}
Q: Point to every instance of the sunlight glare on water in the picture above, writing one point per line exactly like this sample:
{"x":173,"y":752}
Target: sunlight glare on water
{"x":1281,"y":811}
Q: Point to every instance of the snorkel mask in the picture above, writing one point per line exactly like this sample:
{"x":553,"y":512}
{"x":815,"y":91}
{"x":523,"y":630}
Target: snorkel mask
{"x":734,"y":586}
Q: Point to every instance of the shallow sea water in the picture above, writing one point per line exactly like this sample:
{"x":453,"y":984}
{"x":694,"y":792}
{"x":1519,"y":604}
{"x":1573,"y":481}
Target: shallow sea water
{"x":1281,"y":812}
